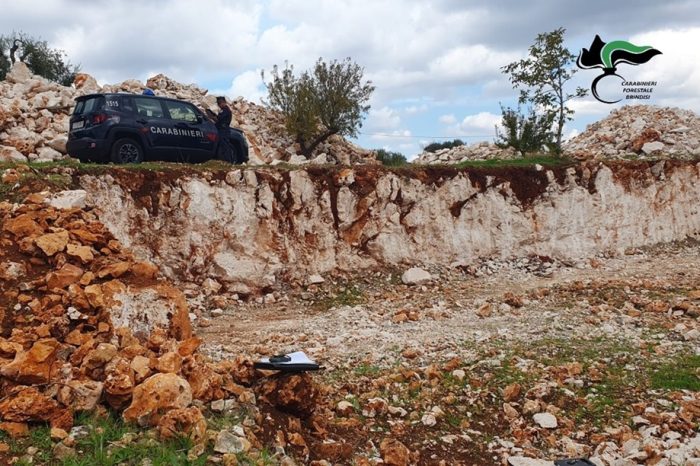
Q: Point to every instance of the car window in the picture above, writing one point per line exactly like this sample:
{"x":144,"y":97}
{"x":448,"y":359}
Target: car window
{"x":181,"y":111}
{"x":89,"y":105}
{"x":148,"y":107}
{"x":127,"y":105}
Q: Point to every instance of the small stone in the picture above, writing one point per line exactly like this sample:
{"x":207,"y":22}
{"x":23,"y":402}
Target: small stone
{"x":228,"y":442}
{"x":651,"y":147}
{"x":510,"y":411}
{"x":429,"y":419}
{"x":220,"y":406}
{"x":61,"y":451}
{"x":344,"y":408}
{"x":58,"y":434}
{"x":524,"y":461}
{"x":545,"y":420}
{"x":415,"y":275}
{"x":315,"y":279}
{"x":485,"y":310}
{"x":459,"y":374}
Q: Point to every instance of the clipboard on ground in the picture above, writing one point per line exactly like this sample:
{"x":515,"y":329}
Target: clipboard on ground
{"x":292,"y":362}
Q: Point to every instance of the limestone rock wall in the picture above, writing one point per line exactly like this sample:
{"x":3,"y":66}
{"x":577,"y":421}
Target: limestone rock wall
{"x":249,"y":228}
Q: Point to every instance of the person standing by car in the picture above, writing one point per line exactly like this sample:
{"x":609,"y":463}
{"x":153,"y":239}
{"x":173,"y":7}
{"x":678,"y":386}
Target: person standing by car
{"x":222,"y":120}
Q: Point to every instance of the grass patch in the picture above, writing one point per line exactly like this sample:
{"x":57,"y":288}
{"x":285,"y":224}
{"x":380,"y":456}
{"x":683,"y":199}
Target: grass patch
{"x":545,"y":160}
{"x":678,"y":374}
{"x":350,"y":295}
{"x":365,"y":369}
{"x":110,"y":442}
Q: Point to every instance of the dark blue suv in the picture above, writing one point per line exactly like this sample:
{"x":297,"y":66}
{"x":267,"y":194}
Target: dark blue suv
{"x":127,"y":128}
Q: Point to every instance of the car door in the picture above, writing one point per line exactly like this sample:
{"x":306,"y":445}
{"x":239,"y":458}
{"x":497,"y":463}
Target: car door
{"x":157,"y":128}
{"x":187,"y":122}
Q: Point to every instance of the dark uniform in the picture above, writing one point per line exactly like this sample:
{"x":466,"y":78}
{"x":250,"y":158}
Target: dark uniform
{"x":223,"y":124}
{"x":223,"y":119}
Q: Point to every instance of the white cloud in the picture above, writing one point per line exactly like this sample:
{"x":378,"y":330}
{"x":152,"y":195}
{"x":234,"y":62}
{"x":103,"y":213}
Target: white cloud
{"x":677,"y":69}
{"x":448,"y":119}
{"x":415,"y":109}
{"x":382,"y":119}
{"x":481,"y":124}
{"x":249,"y":85}
{"x":393,"y":136}
{"x":469,"y":63}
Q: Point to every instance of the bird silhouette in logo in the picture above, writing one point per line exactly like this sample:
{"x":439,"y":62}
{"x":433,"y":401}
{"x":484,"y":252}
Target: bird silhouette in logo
{"x":608,"y":55}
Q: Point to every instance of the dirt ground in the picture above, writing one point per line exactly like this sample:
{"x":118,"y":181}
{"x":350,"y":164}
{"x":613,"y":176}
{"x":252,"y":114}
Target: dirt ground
{"x":598,"y":344}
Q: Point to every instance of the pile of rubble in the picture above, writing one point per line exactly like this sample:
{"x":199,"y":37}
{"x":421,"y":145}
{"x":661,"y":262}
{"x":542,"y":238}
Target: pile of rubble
{"x":35,"y":112}
{"x":465,"y":153}
{"x":85,"y":326}
{"x":639,"y":131}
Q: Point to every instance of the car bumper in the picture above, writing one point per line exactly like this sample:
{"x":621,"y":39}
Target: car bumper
{"x":87,"y":149}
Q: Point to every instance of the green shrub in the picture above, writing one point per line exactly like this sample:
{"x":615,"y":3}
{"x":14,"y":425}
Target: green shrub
{"x":390,"y":159}
{"x":436,"y":146}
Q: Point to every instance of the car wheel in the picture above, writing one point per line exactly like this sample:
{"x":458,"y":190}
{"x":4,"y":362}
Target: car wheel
{"x":127,"y":150}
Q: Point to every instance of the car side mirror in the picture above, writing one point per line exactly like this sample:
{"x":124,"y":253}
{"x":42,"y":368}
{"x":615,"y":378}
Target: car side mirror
{"x":199,"y":119}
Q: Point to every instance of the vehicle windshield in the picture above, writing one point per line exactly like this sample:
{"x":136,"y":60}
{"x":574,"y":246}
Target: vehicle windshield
{"x":89,"y":105}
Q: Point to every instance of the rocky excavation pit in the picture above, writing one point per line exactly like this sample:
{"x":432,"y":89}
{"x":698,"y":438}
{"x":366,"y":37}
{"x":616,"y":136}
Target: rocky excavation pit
{"x":117,"y":305}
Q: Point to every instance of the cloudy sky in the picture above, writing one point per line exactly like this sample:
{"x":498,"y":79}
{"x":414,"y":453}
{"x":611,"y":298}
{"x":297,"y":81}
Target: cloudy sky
{"x":435,"y":64}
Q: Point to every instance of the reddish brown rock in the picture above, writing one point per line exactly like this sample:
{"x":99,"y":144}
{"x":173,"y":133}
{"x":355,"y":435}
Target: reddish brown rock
{"x":206,"y":384}
{"x":114,"y":270}
{"x":97,"y":358}
{"x":145,"y":270}
{"x":169,"y":362}
{"x":180,"y":325}
{"x":188,"y":422}
{"x":293,"y":393}
{"x":157,"y":395}
{"x":22,"y":226}
{"x":52,"y":243}
{"x":189,"y":346}
{"x":63,"y":277}
{"x":15,"y":429}
{"x":25,"y":404}
{"x":512,"y":392}
{"x":82,"y":253}
{"x":141,"y":366}
{"x":35,"y":366}
{"x":81,"y":395}
{"x":119,"y":383}
{"x":94,"y":295}
{"x":394,"y":453}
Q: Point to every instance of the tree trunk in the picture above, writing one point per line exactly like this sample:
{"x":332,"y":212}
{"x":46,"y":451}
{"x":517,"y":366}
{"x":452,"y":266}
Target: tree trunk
{"x":307,"y":151}
{"x":560,"y":124}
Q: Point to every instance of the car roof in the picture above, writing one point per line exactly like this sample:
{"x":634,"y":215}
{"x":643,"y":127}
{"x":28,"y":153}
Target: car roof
{"x":104,"y":94}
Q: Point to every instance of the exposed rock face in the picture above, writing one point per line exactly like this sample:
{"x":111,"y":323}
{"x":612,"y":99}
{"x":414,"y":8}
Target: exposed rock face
{"x":639,"y":131}
{"x":478,"y":151}
{"x":34,"y":119}
{"x":249,"y":228}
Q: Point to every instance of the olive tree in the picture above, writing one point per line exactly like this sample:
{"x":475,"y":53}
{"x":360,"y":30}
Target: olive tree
{"x":329,"y":99}
{"x":41,"y":59}
{"x":542,"y":77}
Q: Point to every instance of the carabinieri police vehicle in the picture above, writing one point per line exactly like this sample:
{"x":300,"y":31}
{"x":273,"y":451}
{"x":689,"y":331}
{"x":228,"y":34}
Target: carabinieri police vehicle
{"x":127,"y":128}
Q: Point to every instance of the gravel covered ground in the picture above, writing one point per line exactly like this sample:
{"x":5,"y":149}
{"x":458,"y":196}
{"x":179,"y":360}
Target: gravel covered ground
{"x":499,"y":363}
